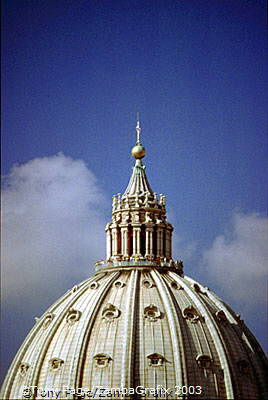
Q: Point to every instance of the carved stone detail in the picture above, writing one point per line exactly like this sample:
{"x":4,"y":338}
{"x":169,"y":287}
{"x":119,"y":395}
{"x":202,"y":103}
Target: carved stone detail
{"x":147,"y":283}
{"x":204,"y":361}
{"x":191,"y":314}
{"x":102,"y":360}
{"x":48,"y":319}
{"x":196,"y":288}
{"x":23,"y":368}
{"x":119,"y":284}
{"x":156,"y":360}
{"x":55,"y":363}
{"x":94,"y":285}
{"x":74,"y":289}
{"x":175,"y":285}
{"x":110,"y":312}
{"x":152,"y":313}
{"x":221,"y":317}
{"x":73,"y":316}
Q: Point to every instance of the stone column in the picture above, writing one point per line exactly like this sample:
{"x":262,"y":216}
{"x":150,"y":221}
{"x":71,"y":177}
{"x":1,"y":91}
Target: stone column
{"x":114,"y":242}
{"x":168,"y":244}
{"x":124,"y":241}
{"x":108,"y":244}
{"x":151,"y":241}
{"x":159,"y":251}
{"x":136,"y":241}
{"x":148,"y":241}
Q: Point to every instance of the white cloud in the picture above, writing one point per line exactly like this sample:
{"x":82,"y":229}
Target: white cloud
{"x":237,"y":262}
{"x":53,"y":228}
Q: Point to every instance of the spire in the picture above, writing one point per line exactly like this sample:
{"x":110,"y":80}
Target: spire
{"x":138,"y":184}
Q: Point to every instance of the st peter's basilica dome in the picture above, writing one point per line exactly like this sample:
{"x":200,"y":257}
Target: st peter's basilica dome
{"x":139,"y":327}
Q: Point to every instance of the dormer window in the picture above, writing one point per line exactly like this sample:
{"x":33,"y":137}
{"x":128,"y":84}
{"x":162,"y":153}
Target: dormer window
{"x":155,"y":360}
{"x":175,"y":285}
{"x":147,"y":283}
{"x":204,"y":361}
{"x":23,"y":368}
{"x":191,"y":314}
{"x":102,"y":360}
{"x":196,"y":288}
{"x":74,"y":289}
{"x":48,"y":319}
{"x":94,"y":285}
{"x":119,"y":284}
{"x":73,"y":316}
{"x":110,"y":312}
{"x":55,"y":363}
{"x":152,"y":313}
{"x":221,"y":317}
{"x":243,"y":367}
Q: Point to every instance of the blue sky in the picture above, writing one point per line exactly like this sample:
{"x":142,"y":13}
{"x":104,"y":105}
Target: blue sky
{"x":75,"y":73}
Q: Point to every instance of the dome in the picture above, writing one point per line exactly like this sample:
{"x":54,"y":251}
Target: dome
{"x":139,"y":327}
{"x":132,"y":327}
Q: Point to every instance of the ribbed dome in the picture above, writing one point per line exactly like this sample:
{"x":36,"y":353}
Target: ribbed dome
{"x":139,"y":324}
{"x":140,"y":327}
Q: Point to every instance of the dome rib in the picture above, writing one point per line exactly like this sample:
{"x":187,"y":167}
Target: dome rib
{"x":174,"y":328}
{"x":88,"y":328}
{"x":86,"y":321}
{"x":48,"y":338}
{"x":129,"y":332}
{"x":236,"y":345}
{"x":217,"y":337}
{"x":31,"y":337}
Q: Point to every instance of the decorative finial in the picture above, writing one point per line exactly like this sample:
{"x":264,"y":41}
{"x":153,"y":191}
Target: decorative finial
{"x":138,"y":128}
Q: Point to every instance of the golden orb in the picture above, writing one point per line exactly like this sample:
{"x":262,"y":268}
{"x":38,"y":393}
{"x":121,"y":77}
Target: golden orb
{"x":138,"y":151}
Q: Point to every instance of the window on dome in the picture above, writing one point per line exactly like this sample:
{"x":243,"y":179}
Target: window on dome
{"x":175,"y":285}
{"x":152,"y":313}
{"x":73,"y":316}
{"x":110,"y":312}
{"x":243,"y":367}
{"x":48,"y":318}
{"x":55,"y":363}
{"x":147,"y":284}
{"x":119,"y":284}
{"x":221,"y":317}
{"x":191,"y":314}
{"x":74,"y":289}
{"x":23,"y":368}
{"x":102,"y":360}
{"x":155,"y":360}
{"x":204,"y":361}
{"x":196,"y":288}
{"x":94,"y":285}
